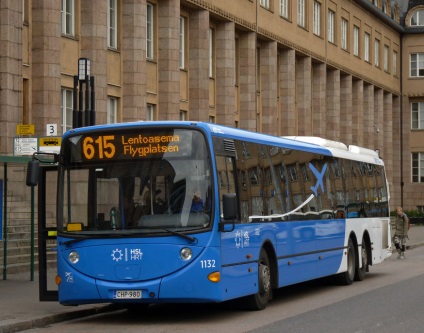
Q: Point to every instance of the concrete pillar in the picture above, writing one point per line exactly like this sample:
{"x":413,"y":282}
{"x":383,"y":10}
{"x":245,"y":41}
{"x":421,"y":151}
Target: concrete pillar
{"x":378,"y":118}
{"x":247,"y":82}
{"x":389,"y":145}
{"x":94,"y":47}
{"x":357,"y":112}
{"x":199,"y":65}
{"x":319,"y":107}
{"x":225,"y":73}
{"x":346,"y":109}
{"x":333,"y":104}
{"x":134,"y":60}
{"x":368,"y":124}
{"x":168,"y":59}
{"x":287,"y":98}
{"x":46,"y":49}
{"x":268,"y":77}
{"x":304,"y":95}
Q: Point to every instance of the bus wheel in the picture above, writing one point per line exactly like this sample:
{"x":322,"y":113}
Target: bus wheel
{"x":260,"y":300}
{"x":346,"y":278}
{"x":360,"y":271}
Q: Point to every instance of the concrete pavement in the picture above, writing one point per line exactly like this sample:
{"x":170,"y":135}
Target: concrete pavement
{"x":21,"y":310}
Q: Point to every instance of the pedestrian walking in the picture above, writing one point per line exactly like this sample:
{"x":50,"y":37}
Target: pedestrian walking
{"x":401,"y":232}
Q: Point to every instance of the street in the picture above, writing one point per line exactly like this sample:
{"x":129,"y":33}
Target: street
{"x":388,"y":300}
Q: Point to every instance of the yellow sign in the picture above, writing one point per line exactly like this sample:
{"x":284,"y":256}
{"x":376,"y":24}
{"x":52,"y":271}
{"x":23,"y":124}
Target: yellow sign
{"x":50,"y":141}
{"x":25,"y":129}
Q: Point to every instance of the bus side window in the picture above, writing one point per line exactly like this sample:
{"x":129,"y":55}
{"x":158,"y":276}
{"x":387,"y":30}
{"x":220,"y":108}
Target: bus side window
{"x":226,"y":176}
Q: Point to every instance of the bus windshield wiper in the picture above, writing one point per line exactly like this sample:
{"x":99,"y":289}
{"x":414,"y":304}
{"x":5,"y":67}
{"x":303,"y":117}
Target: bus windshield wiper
{"x":189,"y":238}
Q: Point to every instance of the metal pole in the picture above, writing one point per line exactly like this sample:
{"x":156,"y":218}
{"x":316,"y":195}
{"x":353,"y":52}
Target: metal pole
{"x":87,"y":101}
{"x":75,"y":103}
{"x":32,"y":233}
{"x":93,"y":102}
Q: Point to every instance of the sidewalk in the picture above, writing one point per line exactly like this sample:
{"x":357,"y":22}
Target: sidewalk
{"x":21,"y":310}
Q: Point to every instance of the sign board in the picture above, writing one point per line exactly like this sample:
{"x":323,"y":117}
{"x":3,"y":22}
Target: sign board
{"x":25,"y":146}
{"x":51,"y":130}
{"x":25,"y":129}
{"x":50,"y":144}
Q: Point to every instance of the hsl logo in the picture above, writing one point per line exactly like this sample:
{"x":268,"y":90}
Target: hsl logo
{"x":126,"y":254}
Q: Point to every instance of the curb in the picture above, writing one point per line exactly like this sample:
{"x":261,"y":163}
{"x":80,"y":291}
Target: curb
{"x":48,"y":320}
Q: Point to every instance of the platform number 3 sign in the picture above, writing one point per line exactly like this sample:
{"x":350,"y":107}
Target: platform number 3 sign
{"x":51,"y":130}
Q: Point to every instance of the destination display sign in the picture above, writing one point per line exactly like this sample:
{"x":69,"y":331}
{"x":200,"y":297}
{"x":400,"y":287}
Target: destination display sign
{"x":96,"y":147}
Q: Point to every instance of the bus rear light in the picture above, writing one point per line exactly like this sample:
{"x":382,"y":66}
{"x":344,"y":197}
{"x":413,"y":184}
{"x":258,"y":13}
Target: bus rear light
{"x":186,"y":253}
{"x":58,"y":279}
{"x":214,"y":277}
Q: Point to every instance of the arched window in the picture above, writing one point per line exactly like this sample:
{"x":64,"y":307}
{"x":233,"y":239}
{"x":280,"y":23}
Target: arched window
{"x":417,"y":18}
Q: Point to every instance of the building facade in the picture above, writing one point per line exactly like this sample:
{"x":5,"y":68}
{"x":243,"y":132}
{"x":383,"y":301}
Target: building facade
{"x":349,"y":71}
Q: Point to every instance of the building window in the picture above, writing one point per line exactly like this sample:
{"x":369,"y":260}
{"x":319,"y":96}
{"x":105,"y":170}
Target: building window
{"x":211,"y":52}
{"x":301,"y":13}
{"x":377,"y":53}
{"x":418,"y":167}
{"x":330,"y":28}
{"x":265,"y":4}
{"x":67,"y":11}
{"x":67,"y":109}
{"x":355,"y":41}
{"x":112,"y":110}
{"x":386,"y":58}
{"x":417,"y":115}
{"x":212,"y":119}
{"x":417,"y":18}
{"x":149,"y":32}
{"x":317,"y":18}
{"x":182,"y":42}
{"x":284,"y":8}
{"x":394,"y":66}
{"x":112,"y":25}
{"x":344,"y":34}
{"x":150,"y":112}
{"x":417,"y":65}
{"x":183,"y":115}
{"x":367,"y":47}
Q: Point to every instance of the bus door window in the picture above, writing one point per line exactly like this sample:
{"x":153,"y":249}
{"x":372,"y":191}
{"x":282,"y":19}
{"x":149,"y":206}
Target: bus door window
{"x":226,"y":177}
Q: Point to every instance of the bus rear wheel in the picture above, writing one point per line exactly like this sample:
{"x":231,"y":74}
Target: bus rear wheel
{"x":346,"y":278}
{"x":360,"y":271}
{"x":259,"y":301}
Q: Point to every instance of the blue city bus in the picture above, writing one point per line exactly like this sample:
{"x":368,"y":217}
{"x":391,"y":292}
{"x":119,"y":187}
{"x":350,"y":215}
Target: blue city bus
{"x":190,"y":212}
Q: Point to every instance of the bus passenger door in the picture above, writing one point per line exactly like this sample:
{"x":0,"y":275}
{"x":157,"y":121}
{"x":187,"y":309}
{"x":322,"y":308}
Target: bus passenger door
{"x":47,"y":232}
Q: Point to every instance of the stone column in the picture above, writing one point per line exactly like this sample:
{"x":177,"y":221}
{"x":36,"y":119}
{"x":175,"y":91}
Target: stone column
{"x":304,"y":95}
{"x":199,"y":65}
{"x":94,"y":47}
{"x":346,"y":109}
{"x":357,"y":112}
{"x":333,"y":105}
{"x":368,"y":125}
{"x":134,"y":60}
{"x":168,"y":59}
{"x":46,"y":49}
{"x":388,"y":145}
{"x":378,"y":119}
{"x":268,"y":77}
{"x":397,"y":149}
{"x":287,"y":98}
{"x":225,"y":73}
{"x":247,"y":81}
{"x":319,"y":107}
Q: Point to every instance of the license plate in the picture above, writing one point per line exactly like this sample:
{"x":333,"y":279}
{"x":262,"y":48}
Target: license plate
{"x":127,"y":294}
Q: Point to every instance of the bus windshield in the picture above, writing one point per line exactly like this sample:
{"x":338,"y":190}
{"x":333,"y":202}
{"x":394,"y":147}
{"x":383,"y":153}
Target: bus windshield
{"x":128,"y":181}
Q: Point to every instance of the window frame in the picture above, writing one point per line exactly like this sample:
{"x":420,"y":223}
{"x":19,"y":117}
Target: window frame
{"x":317,"y":18}
{"x":419,"y":71}
{"x":356,"y":32}
{"x":284,"y":9}
{"x":417,"y":115}
{"x":67,"y":95}
{"x":67,"y":18}
{"x":367,"y":39}
{"x":377,"y":52}
{"x":112,"y":110}
{"x":150,"y":14}
{"x":301,"y":13}
{"x":344,"y":28}
{"x":112,"y":24}
{"x":331,"y":20}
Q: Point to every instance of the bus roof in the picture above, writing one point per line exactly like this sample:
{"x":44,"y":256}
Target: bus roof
{"x":305,"y":143}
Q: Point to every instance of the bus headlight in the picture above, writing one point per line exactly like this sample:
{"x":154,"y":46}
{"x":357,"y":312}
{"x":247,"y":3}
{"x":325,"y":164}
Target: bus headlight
{"x":186,"y":253}
{"x":73,"y":257}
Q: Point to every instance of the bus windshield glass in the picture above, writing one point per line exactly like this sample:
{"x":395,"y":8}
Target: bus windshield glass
{"x":134,"y":181}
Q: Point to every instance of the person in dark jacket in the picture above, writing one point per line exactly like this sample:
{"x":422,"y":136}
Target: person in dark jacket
{"x":401,"y":232}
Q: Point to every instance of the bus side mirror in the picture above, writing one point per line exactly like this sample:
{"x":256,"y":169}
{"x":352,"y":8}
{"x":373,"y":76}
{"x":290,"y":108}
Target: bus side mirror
{"x":32,"y":173}
{"x":229,"y":207}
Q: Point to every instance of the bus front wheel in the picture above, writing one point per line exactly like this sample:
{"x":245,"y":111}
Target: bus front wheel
{"x":260,"y":300}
